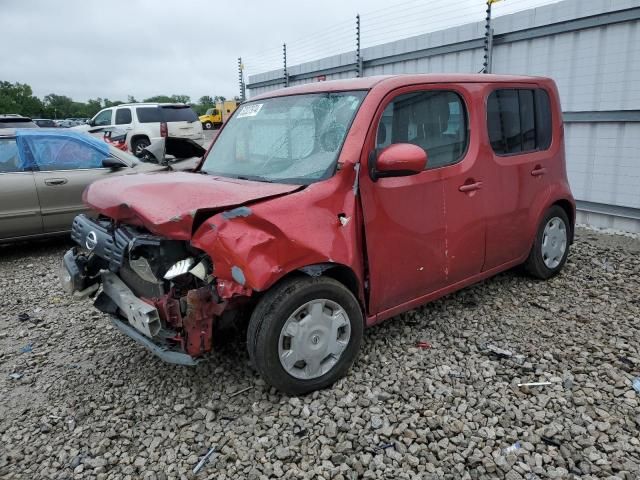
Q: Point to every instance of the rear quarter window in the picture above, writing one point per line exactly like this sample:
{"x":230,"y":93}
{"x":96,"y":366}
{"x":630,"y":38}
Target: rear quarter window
{"x":148,"y":114}
{"x":519,"y":120}
{"x":178,"y":114}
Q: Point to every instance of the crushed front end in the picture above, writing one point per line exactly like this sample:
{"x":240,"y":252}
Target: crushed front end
{"x":160,"y":292}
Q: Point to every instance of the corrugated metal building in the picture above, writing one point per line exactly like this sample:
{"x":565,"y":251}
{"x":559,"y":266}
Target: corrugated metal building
{"x":592,"y":50}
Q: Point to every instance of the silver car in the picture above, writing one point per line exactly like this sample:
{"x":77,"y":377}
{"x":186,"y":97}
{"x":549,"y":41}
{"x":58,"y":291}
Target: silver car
{"x":43,"y":174}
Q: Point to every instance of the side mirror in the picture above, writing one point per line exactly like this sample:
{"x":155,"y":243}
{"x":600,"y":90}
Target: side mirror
{"x":113,"y":163}
{"x":397,"y":160}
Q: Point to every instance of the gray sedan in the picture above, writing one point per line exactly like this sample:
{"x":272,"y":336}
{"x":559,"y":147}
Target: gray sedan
{"x":44,"y":172}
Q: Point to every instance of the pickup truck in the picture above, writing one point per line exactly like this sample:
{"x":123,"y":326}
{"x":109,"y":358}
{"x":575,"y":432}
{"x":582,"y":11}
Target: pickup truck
{"x":325,"y":208}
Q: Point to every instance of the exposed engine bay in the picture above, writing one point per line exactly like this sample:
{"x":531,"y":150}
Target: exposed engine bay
{"x":164,"y":289}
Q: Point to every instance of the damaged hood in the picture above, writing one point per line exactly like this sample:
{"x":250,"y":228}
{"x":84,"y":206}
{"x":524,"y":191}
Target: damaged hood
{"x":168,"y":204}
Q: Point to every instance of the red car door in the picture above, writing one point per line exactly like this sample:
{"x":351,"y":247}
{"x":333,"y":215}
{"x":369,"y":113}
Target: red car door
{"x":522,"y":157}
{"x":424,"y":232}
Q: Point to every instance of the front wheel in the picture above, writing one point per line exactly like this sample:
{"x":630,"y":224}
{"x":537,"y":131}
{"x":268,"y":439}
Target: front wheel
{"x":551,"y":246}
{"x":207,"y":125}
{"x":305,"y":333}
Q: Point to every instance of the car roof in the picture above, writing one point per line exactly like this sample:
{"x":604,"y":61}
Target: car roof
{"x":13,"y":116}
{"x":51,"y":132}
{"x":394,"y":81}
{"x":151,"y":104}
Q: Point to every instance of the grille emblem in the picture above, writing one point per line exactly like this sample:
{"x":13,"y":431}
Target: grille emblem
{"x":91,"y":241}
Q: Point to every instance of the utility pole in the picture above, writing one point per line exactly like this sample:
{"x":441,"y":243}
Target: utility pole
{"x":284,"y":59}
{"x":359,"y":71}
{"x":241,"y":79}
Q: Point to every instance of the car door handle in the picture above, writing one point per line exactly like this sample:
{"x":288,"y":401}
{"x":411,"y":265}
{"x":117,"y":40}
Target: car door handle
{"x":538,"y":171}
{"x":55,"y":181}
{"x":470,"y":187}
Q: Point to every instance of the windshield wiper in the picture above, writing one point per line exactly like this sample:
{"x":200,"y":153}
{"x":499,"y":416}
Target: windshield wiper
{"x":254,"y":179}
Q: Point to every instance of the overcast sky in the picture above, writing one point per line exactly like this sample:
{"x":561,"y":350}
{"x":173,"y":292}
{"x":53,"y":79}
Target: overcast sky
{"x":114,"y":48}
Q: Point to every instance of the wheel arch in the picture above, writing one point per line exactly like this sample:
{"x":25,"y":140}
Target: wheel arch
{"x":570,"y":210}
{"x":339,"y":272}
{"x":138,"y":136}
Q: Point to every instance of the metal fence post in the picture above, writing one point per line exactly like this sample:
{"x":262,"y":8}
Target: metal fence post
{"x":284,"y":58}
{"x":488,"y":40}
{"x":241,"y":79}
{"x":359,"y":71}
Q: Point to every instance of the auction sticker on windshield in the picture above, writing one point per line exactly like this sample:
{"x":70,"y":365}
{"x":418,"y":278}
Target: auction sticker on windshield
{"x":250,"y":110}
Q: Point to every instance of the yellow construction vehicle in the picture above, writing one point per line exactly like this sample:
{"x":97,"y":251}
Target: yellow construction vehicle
{"x":216,"y":116}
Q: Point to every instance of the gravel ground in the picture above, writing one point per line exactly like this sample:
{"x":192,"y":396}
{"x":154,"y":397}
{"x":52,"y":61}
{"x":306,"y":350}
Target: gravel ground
{"x":92,"y":404}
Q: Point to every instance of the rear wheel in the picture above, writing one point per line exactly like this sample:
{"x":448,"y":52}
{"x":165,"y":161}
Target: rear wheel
{"x":305,"y":333}
{"x":138,"y":145}
{"x":551,"y":246}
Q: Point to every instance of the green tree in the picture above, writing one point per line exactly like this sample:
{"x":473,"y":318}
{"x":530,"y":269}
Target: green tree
{"x":18,"y":98}
{"x":205,"y":100}
{"x":58,"y":106}
{"x":181,"y":98}
{"x":93,"y":107}
{"x":159,"y":99}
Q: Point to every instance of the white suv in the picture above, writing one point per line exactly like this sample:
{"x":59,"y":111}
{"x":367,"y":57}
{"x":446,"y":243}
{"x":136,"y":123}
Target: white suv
{"x":146,"y":122}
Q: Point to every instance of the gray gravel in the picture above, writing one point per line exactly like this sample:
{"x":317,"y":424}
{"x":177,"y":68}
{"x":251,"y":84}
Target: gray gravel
{"x":92,"y":404}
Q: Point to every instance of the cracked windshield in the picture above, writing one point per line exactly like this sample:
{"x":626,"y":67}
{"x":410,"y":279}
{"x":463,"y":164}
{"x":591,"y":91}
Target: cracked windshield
{"x":292,"y":139}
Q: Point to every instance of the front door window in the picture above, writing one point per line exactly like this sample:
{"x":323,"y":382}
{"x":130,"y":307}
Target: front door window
{"x":103,"y":118}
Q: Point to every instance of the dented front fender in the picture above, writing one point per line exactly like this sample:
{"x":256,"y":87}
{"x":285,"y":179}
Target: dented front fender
{"x":252,"y":247}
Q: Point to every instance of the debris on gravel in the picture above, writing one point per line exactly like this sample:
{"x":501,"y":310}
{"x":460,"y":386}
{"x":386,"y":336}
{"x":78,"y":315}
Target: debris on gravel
{"x":85,"y":402}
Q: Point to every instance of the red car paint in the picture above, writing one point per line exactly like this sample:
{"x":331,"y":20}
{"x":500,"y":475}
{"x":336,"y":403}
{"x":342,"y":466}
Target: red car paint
{"x":403,"y":240}
{"x":167,"y":205}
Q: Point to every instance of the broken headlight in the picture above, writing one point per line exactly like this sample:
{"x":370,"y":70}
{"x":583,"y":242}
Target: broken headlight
{"x":199,"y":270}
{"x":179,"y":268}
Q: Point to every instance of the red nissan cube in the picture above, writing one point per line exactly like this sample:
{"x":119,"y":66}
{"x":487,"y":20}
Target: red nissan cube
{"x":325,"y":208}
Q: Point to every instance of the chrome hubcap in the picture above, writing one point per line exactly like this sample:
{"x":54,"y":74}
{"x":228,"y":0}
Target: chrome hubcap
{"x":313,"y":339}
{"x":554,"y":242}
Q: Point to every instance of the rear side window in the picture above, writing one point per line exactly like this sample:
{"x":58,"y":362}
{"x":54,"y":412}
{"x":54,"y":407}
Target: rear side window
{"x":434,"y":120}
{"x":178,"y":114}
{"x":148,"y":114}
{"x":9,"y":157}
{"x":519,"y":121}
{"x":123,"y":116}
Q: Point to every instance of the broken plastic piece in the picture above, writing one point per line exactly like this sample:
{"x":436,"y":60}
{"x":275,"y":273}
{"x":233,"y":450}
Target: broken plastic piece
{"x":204,"y":460}
{"x":27,"y":348}
{"x":344,"y":220}
{"x":636,"y":384}
{"x":381,"y":448}
{"x":500,"y":352}
{"x":512,"y":448}
{"x":534,"y":384}
{"x":550,"y":441}
{"x":23,"y":317}
{"x":15,"y":376}
{"x":423,"y":345}
{"x":199,"y":271}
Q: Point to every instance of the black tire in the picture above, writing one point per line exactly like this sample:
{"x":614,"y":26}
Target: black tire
{"x":535,"y":264}
{"x":270,"y":315}
{"x":138,"y":145}
{"x":207,"y":125}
